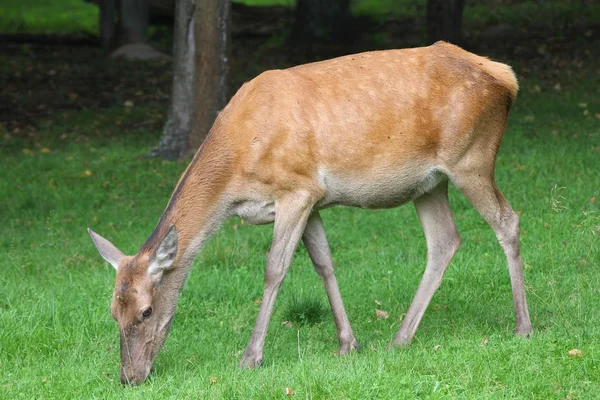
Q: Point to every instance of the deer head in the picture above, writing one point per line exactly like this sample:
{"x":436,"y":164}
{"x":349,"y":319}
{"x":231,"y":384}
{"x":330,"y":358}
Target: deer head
{"x":143,"y":303}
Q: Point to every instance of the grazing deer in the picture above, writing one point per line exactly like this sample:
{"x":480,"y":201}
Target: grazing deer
{"x":371,"y":130}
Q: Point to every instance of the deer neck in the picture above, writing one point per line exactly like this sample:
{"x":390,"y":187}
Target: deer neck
{"x":198,"y":204}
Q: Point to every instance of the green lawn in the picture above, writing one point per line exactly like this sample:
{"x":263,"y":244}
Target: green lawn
{"x":58,"y":340}
{"x":33,"y":16}
{"x":78,"y":161}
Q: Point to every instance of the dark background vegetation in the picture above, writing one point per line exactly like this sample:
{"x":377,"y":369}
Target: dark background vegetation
{"x":52,"y":61}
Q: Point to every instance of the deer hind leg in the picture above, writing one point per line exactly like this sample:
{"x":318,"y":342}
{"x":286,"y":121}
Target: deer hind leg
{"x":316,"y":243}
{"x":480,"y":188}
{"x":291,"y":215}
{"x":443,"y":241}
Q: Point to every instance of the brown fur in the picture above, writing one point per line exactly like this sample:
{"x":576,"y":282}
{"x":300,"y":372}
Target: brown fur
{"x":372,"y":130}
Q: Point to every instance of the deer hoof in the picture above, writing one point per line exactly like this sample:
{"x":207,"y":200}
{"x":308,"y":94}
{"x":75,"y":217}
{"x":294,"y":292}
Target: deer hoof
{"x":251,"y":361}
{"x":348,"y":347}
{"x":524,"y":331}
{"x":398,"y":343}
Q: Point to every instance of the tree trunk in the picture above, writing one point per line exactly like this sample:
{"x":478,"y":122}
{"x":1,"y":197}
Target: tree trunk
{"x":176,"y":132}
{"x":212,"y":29}
{"x":133,"y":22}
{"x":201,"y":59}
{"x":108,"y":20}
{"x":444,"y":20}
{"x":320,"y":19}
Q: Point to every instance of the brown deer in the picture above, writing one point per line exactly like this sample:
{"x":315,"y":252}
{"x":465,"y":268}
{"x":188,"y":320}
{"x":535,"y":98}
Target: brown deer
{"x":371,"y":130}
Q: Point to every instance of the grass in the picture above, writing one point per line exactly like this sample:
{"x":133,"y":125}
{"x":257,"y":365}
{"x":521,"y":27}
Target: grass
{"x":64,"y":16}
{"x":58,"y":339}
{"x":302,"y":309}
{"x":80,"y":163}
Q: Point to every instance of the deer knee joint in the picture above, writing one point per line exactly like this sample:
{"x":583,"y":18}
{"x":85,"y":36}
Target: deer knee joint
{"x":274,"y":277}
{"x":509,"y":231}
{"x":325,"y":270}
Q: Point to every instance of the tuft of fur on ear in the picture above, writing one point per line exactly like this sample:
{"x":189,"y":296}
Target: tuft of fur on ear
{"x":164,"y":256}
{"x":107,"y":250}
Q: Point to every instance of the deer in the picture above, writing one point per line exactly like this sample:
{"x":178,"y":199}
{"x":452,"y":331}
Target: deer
{"x":372,"y":130}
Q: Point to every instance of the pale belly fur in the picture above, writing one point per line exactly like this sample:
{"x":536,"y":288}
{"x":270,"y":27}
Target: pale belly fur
{"x":385,"y":192}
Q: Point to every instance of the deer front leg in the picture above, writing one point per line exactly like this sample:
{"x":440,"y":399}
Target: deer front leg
{"x":315,"y":241}
{"x":290,"y":219}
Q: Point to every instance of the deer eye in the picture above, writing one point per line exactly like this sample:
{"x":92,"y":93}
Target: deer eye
{"x":147,"y":312}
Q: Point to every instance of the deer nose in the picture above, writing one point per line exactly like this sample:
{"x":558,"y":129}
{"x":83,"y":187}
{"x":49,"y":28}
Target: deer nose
{"x":134,"y":378}
{"x":127,"y":379}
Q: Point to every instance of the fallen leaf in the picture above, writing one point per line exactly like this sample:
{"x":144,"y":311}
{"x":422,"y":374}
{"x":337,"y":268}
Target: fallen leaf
{"x":289,"y":324}
{"x":27,"y":152}
{"x":437,"y":347}
{"x":381,"y":314}
{"x":44,"y":150}
{"x":582,"y":105}
{"x":575,"y":353}
{"x":128,"y":103}
{"x":289,"y":392}
{"x":372,"y":347}
{"x":557,"y":87}
{"x":593,"y":200}
{"x":484,"y":341}
{"x":213,"y":379}
{"x":377,"y":302}
{"x":87,"y":172}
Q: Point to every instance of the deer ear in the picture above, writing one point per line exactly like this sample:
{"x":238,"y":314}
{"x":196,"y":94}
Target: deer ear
{"x":107,"y":250}
{"x":164,"y":256}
